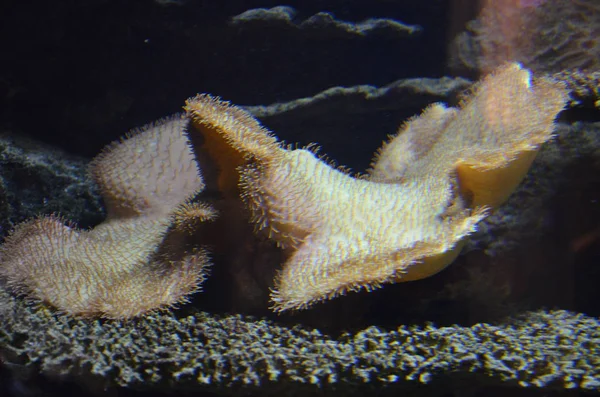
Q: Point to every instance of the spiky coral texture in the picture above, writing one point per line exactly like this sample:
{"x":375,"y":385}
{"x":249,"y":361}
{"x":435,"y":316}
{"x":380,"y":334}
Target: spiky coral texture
{"x":405,"y":220}
{"x":119,"y":269}
{"x":426,"y":191}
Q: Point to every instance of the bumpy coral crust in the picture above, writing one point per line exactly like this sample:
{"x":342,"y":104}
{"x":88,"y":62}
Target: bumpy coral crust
{"x":118,"y":269}
{"x":234,"y":355}
{"x":584,"y":86}
{"x":426,"y":191}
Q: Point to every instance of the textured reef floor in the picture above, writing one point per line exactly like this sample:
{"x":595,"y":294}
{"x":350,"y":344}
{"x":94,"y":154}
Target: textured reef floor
{"x":237,"y":354}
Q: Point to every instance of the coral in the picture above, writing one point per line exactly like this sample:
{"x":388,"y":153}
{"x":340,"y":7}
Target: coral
{"x":554,"y":350}
{"x":427,"y":189}
{"x":547,"y":37}
{"x":128,"y":264}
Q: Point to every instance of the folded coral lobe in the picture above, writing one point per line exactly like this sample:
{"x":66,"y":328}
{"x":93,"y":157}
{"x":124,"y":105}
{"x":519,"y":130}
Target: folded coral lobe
{"x":231,"y":137}
{"x":502,"y":125}
{"x":119,"y":268}
{"x":490,"y":140}
{"x":110,"y":271}
{"x":342,"y":233}
{"x":356,"y":233}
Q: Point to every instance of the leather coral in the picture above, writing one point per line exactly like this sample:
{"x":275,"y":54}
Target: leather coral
{"x":404,"y":220}
{"x":427,"y":189}
{"x":129,"y":264}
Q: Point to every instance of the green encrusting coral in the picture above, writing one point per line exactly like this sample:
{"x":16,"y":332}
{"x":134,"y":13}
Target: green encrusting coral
{"x":554,"y":349}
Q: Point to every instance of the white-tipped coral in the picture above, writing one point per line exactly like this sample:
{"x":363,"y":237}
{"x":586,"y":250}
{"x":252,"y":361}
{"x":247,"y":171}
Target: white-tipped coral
{"x":427,"y":188}
{"x":118,"y":269}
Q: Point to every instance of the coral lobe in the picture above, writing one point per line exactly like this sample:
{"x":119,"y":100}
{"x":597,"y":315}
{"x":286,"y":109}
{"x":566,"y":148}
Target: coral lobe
{"x":427,"y":188}
{"x":118,"y":268}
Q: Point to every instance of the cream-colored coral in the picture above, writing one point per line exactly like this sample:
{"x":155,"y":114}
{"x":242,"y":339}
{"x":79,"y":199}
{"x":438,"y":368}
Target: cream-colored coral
{"x":426,"y":191}
{"x":490,"y":141}
{"x":149,"y":172}
{"x":405,"y":220}
{"x":124,"y":266}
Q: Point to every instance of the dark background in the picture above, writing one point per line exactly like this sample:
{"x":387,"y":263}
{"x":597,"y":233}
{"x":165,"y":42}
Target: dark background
{"x":81,"y":73}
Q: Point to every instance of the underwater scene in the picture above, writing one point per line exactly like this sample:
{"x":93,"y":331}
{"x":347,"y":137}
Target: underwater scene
{"x":253,"y":198}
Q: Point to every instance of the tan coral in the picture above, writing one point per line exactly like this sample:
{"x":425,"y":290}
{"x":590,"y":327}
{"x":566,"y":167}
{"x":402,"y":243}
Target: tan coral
{"x":407,"y":218}
{"x":244,"y":138}
{"x":118,"y":269}
{"x":490,"y":141}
